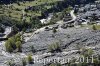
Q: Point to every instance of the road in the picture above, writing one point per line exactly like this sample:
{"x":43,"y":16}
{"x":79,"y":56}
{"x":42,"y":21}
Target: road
{"x":59,"y":22}
{"x":38,"y":30}
{"x":73,"y":16}
{"x":7,"y":31}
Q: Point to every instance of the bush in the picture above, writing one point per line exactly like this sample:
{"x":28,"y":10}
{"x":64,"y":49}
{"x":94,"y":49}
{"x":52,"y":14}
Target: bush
{"x":55,"y":64}
{"x":54,"y":30}
{"x":19,"y":45}
{"x":18,"y":9}
{"x":18,"y":37}
{"x":18,"y":3}
{"x":94,"y":27}
{"x":33,"y":49}
{"x":73,"y":64}
{"x":35,"y":23}
{"x":86,"y":52}
{"x":8,"y":47}
{"x":95,"y":61}
{"x":55,"y":47}
{"x":90,"y":52}
{"x":30,"y":60}
{"x":13,"y":43}
{"x":24,"y":62}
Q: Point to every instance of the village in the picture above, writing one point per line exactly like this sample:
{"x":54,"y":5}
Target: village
{"x":89,"y":13}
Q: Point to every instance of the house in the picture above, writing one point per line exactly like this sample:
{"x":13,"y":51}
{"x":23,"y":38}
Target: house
{"x":81,"y":9}
{"x":43,"y":21}
{"x":67,"y":17}
{"x":98,"y":22}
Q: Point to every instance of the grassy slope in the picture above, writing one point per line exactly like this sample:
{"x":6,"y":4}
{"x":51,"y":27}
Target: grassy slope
{"x":16,"y":14}
{"x":91,"y":26}
{"x":97,"y":27}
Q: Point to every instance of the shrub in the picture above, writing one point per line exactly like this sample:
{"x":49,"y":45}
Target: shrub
{"x":24,"y":62}
{"x":79,"y":64}
{"x":18,"y":37}
{"x":13,"y":43}
{"x":73,"y":64}
{"x":19,"y":45}
{"x":95,"y":61}
{"x":18,"y":3}
{"x":33,"y":49}
{"x":54,"y":47}
{"x":18,"y":9}
{"x":54,"y":30}
{"x":90,"y":52}
{"x":30,"y":60}
{"x":94,"y":27}
{"x":55,"y":64}
{"x":8,"y":47}
{"x":86,"y":52}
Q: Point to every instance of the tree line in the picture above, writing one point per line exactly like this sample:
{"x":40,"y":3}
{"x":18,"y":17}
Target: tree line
{"x":66,"y":1}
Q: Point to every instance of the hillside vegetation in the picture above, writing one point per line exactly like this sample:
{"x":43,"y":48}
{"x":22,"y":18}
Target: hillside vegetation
{"x":34,"y":7}
{"x":15,"y":10}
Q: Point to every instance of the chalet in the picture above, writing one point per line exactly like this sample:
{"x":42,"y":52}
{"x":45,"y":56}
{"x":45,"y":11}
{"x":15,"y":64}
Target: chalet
{"x":87,"y":7}
{"x":81,"y":10}
{"x":97,"y":4}
{"x":67,"y":17}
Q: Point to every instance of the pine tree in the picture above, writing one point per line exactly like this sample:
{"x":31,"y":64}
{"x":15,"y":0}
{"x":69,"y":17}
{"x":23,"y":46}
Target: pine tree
{"x":94,"y":27}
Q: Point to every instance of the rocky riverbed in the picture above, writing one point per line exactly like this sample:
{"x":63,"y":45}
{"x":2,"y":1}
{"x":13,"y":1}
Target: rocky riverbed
{"x":70,"y":39}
